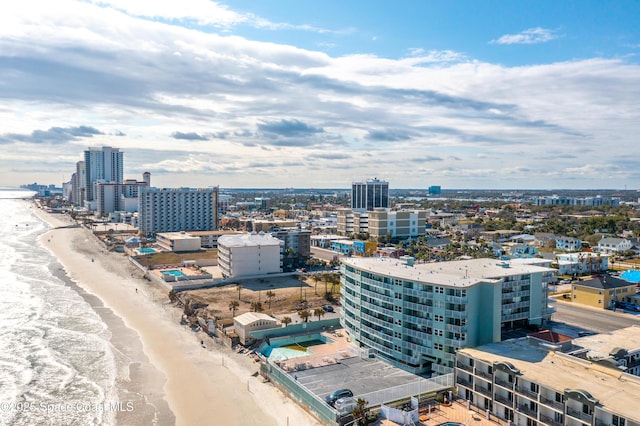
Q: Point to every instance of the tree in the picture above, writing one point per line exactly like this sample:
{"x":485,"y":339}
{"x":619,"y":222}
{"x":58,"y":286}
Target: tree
{"x":316,"y":278}
{"x":239,"y":287}
{"x":286,"y":321}
{"x":304,"y":315}
{"x":270,"y":295}
{"x":233,"y":307}
{"x":318,"y":312}
{"x":360,"y":411}
{"x":256,"y":306}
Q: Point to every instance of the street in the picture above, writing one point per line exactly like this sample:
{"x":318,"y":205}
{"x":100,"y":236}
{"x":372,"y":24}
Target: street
{"x":570,"y":319}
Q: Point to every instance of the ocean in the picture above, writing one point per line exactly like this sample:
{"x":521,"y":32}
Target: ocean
{"x":57,"y":366}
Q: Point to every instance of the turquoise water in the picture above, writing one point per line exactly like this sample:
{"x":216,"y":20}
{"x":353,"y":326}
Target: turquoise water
{"x":631,"y":276}
{"x":292,"y":346}
{"x":284,"y":353}
{"x":146,"y":250}
{"x":174,"y":272}
{"x":451,"y":424}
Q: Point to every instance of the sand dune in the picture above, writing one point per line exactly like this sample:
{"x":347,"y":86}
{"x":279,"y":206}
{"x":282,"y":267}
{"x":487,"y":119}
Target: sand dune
{"x":165,"y":372}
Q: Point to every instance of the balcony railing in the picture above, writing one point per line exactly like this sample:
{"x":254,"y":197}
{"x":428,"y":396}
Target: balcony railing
{"x":528,"y":410}
{"x":464,"y":367}
{"x":579,"y":415}
{"x":504,"y":383}
{"x":484,"y":391}
{"x":550,"y":421}
{"x":552,"y":403}
{"x":527,"y":392}
{"x":503,"y":400}
{"x":484,"y":374}
{"x":464,"y":382}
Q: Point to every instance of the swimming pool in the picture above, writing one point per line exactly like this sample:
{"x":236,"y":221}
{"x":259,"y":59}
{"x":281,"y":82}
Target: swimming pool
{"x":631,"y":276}
{"x":174,"y":272}
{"x":146,"y":250}
{"x":286,"y":347}
{"x":451,"y":424}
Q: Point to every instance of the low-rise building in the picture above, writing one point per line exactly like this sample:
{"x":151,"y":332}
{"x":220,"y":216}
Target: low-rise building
{"x":568,"y":243}
{"x":527,"y":383}
{"x":177,"y":241}
{"x":603,"y":291}
{"x":582,"y":263}
{"x":252,"y":254}
{"x":613,"y":245}
{"x":252,"y":321}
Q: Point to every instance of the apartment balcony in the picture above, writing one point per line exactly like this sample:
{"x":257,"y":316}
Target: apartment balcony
{"x":503,"y":383}
{"x":455,"y":314}
{"x":464,"y":367}
{"x":483,"y":390}
{"x":485,"y":375}
{"x":503,"y":400}
{"x":552,"y":422}
{"x":464,"y":382}
{"x":576,"y":414}
{"x":456,"y":343}
{"x":552,"y":403}
{"x":377,"y":296}
{"x":460,"y":300}
{"x":527,"y":392}
{"x":525,"y":409}
{"x":455,"y":328}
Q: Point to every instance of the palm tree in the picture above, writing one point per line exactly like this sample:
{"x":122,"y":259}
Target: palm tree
{"x":256,"y":306}
{"x":360,"y":411}
{"x":318,"y":312}
{"x":316,"y":278}
{"x":286,"y":321}
{"x":239,"y":287}
{"x":304,"y":314}
{"x":270,"y":295}
{"x":233,"y":307}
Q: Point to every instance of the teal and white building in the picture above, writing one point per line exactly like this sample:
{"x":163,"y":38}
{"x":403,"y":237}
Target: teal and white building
{"x":417,"y":316}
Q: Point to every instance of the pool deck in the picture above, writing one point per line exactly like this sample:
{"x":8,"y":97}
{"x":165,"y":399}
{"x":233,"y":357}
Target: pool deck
{"x":457,"y":412}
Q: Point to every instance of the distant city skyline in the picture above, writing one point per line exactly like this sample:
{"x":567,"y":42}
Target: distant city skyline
{"x":467,"y":94}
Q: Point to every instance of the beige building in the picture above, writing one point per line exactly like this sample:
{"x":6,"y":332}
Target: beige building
{"x":252,"y":321}
{"x":603,"y":291}
{"x":177,"y":241}
{"x":526,"y":384}
{"x":385,"y":224}
{"x":209,"y":239}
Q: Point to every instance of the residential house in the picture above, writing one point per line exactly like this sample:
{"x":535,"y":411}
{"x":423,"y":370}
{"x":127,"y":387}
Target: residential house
{"x":603,"y":291}
{"x":568,"y":243}
{"x":582,"y":263}
{"x":613,"y":245}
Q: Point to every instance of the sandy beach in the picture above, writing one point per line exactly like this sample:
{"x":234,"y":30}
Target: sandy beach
{"x":162,"y":369}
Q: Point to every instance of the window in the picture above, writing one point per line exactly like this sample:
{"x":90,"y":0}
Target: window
{"x":439,"y":290}
{"x":617,"y":421}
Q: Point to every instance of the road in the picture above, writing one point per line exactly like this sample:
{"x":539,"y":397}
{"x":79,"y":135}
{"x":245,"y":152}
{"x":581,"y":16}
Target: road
{"x":570,"y":319}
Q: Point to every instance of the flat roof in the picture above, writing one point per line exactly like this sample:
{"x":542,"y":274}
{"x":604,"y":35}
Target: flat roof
{"x":250,"y":317}
{"x":248,"y":240}
{"x":615,"y":390}
{"x":176,"y":235}
{"x":206,"y":233}
{"x":459,"y":273}
{"x":601,"y":345}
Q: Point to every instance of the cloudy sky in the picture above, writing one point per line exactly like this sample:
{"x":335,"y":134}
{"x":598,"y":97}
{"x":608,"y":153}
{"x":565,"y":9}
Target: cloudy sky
{"x":289,"y":93}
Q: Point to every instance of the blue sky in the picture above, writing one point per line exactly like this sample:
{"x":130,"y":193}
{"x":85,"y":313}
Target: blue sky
{"x":462,"y":94}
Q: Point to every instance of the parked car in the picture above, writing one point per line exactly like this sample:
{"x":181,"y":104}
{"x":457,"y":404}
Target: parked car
{"x":336,"y":395}
{"x":328,"y":308}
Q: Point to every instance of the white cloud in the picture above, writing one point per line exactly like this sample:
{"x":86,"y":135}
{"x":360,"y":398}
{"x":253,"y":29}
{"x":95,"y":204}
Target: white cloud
{"x":530,"y":36}
{"x":80,"y":64}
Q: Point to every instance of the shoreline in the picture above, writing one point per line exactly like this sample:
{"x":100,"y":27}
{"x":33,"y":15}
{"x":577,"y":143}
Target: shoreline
{"x":166,"y":373}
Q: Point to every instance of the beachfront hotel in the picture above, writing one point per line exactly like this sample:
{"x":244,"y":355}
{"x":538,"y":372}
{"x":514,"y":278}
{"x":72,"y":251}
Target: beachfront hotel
{"x":177,"y":209}
{"x":585,"y":382}
{"x":101,"y":165}
{"x":417,"y":316}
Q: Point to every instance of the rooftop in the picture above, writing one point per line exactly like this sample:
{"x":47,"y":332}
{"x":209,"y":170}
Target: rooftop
{"x":604,"y":282}
{"x":248,"y":240}
{"x":613,"y":389}
{"x":460,"y":273}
